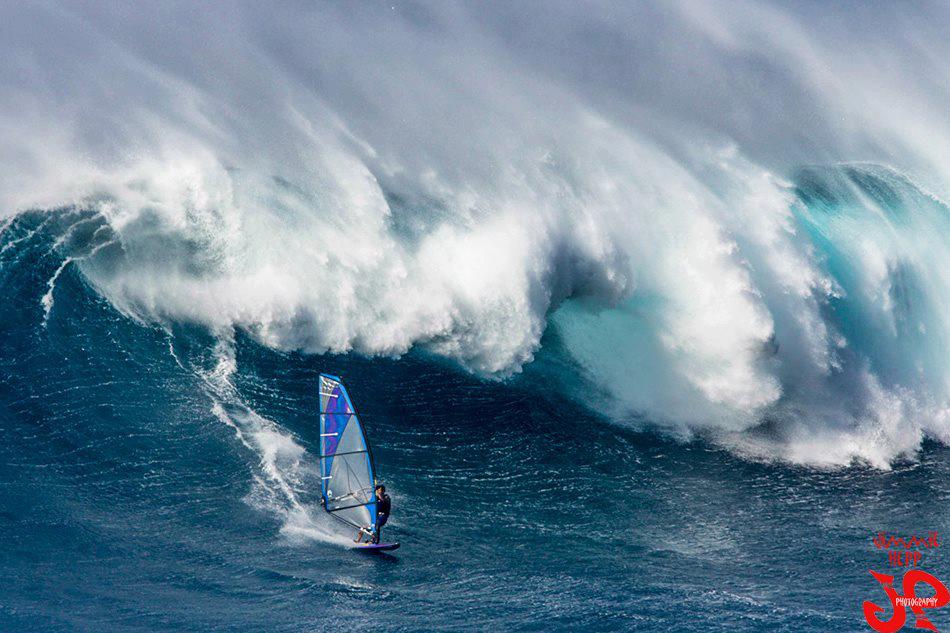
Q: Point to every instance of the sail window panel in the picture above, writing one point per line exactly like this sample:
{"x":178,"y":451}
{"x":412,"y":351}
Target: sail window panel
{"x":350,"y":481}
{"x":351,"y":438}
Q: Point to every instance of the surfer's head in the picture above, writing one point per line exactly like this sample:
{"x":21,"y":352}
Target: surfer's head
{"x":380,"y":490}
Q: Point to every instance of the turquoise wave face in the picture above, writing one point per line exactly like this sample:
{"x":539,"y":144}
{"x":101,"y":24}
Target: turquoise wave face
{"x":885,"y":243}
{"x":858,"y":353}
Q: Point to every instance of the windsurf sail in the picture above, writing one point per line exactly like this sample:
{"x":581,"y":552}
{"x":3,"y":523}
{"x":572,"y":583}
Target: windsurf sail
{"x":346,"y":464}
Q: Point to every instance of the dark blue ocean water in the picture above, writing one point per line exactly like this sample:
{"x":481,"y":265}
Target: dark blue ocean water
{"x":126,"y":503}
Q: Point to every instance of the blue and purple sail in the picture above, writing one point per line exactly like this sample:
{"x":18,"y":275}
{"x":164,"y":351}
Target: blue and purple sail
{"x":346,"y":464}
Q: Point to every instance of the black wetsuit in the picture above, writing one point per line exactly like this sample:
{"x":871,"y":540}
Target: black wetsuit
{"x":382,"y":514}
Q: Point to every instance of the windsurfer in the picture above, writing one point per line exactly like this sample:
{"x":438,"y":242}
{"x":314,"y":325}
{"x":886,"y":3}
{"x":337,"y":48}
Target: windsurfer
{"x":383,"y":507}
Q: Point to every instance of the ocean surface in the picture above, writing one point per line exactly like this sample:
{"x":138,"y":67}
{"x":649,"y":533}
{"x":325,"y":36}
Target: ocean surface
{"x":645,"y":306}
{"x":161,"y":480}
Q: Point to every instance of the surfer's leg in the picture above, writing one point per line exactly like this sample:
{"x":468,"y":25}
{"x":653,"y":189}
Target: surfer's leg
{"x":380,"y":522}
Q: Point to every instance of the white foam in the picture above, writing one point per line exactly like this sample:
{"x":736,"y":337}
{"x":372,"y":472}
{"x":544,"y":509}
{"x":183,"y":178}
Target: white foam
{"x":282,"y":473}
{"x":47,"y":299}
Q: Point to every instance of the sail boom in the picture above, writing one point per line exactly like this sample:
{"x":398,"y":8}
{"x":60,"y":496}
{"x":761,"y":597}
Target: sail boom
{"x":355,"y":505}
{"x":346,"y":453}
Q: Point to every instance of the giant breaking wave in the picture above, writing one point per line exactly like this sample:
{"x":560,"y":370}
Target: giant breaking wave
{"x":727,"y":219}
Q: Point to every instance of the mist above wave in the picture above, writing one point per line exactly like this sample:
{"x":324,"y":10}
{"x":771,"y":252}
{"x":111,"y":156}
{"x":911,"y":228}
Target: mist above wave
{"x":378,"y":177}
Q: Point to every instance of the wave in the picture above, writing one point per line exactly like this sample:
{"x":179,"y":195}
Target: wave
{"x":447,"y":186}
